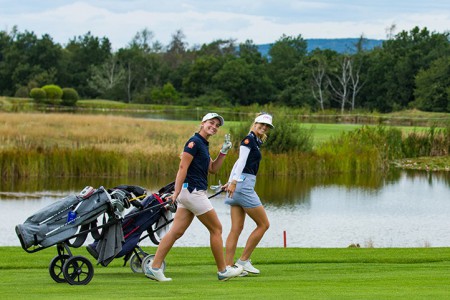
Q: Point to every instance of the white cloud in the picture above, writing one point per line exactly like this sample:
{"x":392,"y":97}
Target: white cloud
{"x":204,"y":21}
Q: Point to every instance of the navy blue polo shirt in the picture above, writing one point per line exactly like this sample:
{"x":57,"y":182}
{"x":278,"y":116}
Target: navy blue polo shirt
{"x":254,"y":157}
{"x":197,"y":173}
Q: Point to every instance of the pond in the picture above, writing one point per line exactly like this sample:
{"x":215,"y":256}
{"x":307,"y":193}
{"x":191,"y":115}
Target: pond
{"x":196,"y":113}
{"x":398,"y":209}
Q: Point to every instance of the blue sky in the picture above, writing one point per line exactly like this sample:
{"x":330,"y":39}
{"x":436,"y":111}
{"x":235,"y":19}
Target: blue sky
{"x":202,"y":21}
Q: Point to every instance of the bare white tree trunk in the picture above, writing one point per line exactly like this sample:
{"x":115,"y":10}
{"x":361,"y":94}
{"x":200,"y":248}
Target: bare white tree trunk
{"x":112,"y":74}
{"x":342,"y":91}
{"x":106,"y":76}
{"x":355,"y":79}
{"x":320,"y":84}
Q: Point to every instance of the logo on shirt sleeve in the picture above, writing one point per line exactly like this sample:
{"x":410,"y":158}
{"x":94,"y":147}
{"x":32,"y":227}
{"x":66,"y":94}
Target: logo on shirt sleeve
{"x":246,"y":141}
{"x":191,"y":145}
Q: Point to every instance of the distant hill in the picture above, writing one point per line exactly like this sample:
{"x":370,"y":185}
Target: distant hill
{"x":346,"y":45}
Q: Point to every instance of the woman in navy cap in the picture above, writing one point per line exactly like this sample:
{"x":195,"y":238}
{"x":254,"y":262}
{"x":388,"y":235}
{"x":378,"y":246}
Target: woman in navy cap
{"x":242,"y":197}
{"x":190,"y":193}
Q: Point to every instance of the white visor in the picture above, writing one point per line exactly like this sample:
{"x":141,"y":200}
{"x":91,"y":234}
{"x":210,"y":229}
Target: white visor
{"x":210,"y":116}
{"x":264,"y":119}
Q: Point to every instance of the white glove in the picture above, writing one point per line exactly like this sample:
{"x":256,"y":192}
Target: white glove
{"x":226,"y":144}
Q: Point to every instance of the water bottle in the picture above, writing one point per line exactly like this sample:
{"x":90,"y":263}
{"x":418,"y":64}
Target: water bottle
{"x":71,"y":216}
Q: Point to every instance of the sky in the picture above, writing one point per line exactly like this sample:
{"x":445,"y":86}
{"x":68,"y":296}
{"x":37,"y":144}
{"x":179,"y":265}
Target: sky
{"x":204,"y":21}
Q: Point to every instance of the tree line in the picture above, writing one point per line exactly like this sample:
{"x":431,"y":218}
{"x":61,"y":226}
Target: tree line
{"x":410,"y":69}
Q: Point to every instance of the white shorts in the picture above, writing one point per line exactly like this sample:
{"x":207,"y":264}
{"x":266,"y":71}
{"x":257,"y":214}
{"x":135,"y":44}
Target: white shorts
{"x":196,"y":202}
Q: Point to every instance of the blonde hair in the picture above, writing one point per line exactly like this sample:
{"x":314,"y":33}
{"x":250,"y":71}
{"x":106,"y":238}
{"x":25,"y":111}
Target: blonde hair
{"x":264,"y":136}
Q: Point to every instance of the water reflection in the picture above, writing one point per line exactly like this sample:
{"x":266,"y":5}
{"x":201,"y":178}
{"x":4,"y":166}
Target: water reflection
{"x":169,"y":114}
{"x":75,"y":184}
{"x":397,"y":209}
{"x":288,"y":190}
{"x":196,"y":113}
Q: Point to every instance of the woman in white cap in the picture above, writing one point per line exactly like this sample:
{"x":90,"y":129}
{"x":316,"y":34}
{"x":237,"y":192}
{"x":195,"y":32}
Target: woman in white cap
{"x":190,"y":193}
{"x":242,"y":197}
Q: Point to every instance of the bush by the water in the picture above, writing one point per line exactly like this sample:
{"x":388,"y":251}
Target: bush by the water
{"x":370,"y":148}
{"x":287,"y":136}
{"x":38,"y":94}
{"x":53,"y":92}
{"x":434,"y":142}
{"x":22,"y":92}
{"x":69,"y":97}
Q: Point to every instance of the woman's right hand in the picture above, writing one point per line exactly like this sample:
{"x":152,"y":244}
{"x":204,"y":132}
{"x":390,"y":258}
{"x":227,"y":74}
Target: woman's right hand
{"x":173,"y":198}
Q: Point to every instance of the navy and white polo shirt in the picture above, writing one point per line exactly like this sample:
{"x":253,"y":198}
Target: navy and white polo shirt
{"x":197,"y":173}
{"x":254,"y":157}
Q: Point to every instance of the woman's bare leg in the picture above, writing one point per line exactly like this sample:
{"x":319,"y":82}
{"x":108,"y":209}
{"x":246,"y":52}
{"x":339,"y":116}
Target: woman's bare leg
{"x":258,"y":214}
{"x":237,"y":224}
{"x":212,"y":223}
{"x":183,"y":218}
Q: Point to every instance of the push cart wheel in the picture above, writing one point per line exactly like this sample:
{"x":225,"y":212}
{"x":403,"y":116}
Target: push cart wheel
{"x":78,"y":270}
{"x":56,"y":268}
{"x":146,"y":263}
{"x":136,"y":261}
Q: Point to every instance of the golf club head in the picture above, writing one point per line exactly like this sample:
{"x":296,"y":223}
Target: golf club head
{"x":216,"y":188}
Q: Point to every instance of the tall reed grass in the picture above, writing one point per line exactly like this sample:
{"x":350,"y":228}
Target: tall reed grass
{"x":87,"y":162}
{"x":65,"y":145}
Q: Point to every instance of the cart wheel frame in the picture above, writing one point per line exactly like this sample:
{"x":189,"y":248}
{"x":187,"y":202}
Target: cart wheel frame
{"x":146,"y":263}
{"x":136,"y":261}
{"x":55,"y":268}
{"x":78,"y":270}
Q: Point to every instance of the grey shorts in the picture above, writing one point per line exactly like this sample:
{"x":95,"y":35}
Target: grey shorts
{"x":196,"y":202}
{"x":245,"y":194}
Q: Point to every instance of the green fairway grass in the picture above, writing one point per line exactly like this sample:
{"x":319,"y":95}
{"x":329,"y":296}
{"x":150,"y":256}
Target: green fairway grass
{"x":324,"y":132}
{"x":291,"y":273}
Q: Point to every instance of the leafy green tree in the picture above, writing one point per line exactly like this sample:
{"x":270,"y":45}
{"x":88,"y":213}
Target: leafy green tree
{"x":391,"y":75}
{"x":235,"y":79}
{"x":141,"y":61}
{"x":433,"y":87}
{"x":288,"y":72}
{"x":165,"y":95}
{"x":176,"y":60}
{"x":257,"y":87}
{"x":25,"y":59}
{"x":285,"y":54}
{"x":80,"y":56}
{"x":218,"y":48}
{"x":107,"y":80}
{"x":199,"y":79}
{"x":250,"y":53}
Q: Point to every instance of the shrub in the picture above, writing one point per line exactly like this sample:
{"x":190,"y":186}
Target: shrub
{"x":22,"y":92}
{"x":167,"y":94}
{"x":286,"y":137}
{"x":54,"y":93}
{"x":69,"y":97}
{"x":387,"y":140}
{"x":38,"y":94}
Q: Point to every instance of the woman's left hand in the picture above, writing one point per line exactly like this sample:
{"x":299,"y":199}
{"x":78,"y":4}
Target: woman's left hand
{"x":230,"y":188}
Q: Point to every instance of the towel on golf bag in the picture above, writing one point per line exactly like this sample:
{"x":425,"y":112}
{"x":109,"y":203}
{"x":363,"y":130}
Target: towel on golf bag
{"x":111,"y":243}
{"x":50,"y":225}
{"x":118,"y":242}
{"x":161,"y":232}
